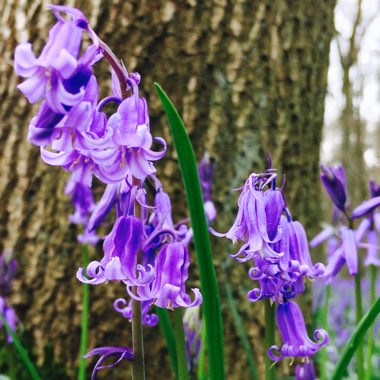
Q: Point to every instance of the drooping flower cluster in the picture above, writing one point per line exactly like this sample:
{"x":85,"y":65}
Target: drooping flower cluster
{"x":342,"y":238}
{"x":144,"y":250}
{"x":7,"y":274}
{"x":278,"y":247}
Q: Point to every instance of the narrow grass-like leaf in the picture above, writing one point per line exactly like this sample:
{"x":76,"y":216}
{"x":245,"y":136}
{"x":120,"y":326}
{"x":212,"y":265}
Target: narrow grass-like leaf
{"x":167,"y":331}
{"x":21,"y":350}
{"x":84,"y":318}
{"x":202,"y":353}
{"x":209,"y":287}
{"x":241,"y":332}
{"x":180,"y":344}
{"x":355,"y":340}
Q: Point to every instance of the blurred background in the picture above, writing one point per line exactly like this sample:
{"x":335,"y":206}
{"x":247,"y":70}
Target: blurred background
{"x":296,"y":78}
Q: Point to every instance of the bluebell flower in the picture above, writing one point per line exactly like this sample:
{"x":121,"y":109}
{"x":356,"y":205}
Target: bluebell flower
{"x":292,"y":328}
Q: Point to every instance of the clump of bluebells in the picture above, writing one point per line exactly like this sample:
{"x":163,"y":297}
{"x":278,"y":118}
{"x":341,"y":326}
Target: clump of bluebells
{"x":145,"y":251}
{"x":344,"y":242}
{"x":277,"y":247}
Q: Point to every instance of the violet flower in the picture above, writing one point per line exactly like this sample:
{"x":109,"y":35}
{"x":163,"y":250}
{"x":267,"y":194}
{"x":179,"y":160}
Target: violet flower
{"x":292,"y":328}
{"x":57,"y":74}
{"x":168,"y":288}
{"x":120,"y":353}
{"x":334,"y":181}
{"x":121,"y":248}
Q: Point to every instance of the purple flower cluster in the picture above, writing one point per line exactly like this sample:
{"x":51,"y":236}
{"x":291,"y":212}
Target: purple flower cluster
{"x":7,"y":274}
{"x":278,"y":247}
{"x":144,"y":250}
{"x":342,"y":238}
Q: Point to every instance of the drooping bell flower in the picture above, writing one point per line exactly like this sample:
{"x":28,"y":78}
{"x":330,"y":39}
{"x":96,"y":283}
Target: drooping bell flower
{"x":148,"y":319}
{"x":131,"y":134}
{"x":250,"y":225}
{"x":57,"y":75}
{"x":299,"y":251}
{"x":168,"y":288}
{"x":334,"y":181}
{"x":120,"y":353}
{"x":292,"y":328}
{"x":120,"y":262}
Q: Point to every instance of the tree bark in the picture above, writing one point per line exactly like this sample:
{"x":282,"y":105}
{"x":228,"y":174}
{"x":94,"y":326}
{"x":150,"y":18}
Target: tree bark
{"x":248,"y":77}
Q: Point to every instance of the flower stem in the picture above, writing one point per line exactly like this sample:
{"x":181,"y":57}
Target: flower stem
{"x":270,"y":317}
{"x":138,"y":342}
{"x":21,"y":350}
{"x":323,"y":357}
{"x":84,"y":319}
{"x":180,"y":345}
{"x":359,"y":314}
{"x":202,"y":352}
{"x":371,"y":343}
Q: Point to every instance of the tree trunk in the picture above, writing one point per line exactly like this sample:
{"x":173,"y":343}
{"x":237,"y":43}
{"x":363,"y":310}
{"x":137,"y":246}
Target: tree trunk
{"x":248,"y":77}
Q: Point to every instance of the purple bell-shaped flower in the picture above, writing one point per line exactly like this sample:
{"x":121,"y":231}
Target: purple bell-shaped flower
{"x":292,"y":328}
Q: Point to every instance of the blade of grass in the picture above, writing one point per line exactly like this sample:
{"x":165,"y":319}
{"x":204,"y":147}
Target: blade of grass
{"x":355,"y":340}
{"x":209,"y":286}
{"x":21,"y":350}
{"x":167,"y":331}
{"x":241,"y":332}
{"x":180,"y":344}
{"x":84,"y":318}
{"x":202,"y":352}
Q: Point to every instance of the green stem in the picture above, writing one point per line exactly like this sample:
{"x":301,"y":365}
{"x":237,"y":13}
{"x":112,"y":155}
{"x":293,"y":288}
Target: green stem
{"x":21,"y":350}
{"x":167,"y":331}
{"x":202,"y":352}
{"x":84,"y":319}
{"x":355,"y":340}
{"x":270,"y":325}
{"x":239,"y":326}
{"x":322,"y":364}
{"x":359,"y":314}
{"x":180,"y":344}
{"x":371,"y":342}
{"x":138,"y":367}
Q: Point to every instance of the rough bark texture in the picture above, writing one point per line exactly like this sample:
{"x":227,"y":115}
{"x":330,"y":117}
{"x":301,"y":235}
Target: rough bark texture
{"x":248,"y":77}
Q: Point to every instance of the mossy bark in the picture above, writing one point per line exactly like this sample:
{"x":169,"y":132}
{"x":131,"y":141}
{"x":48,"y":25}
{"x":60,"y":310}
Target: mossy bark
{"x":248,"y":77}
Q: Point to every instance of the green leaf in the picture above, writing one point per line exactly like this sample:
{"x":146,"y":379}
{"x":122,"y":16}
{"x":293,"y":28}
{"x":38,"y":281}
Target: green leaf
{"x":21,"y":350}
{"x":209,"y":287}
{"x":241,"y":332}
{"x":167,"y":331}
{"x":355,"y":340}
{"x":84,"y":318}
